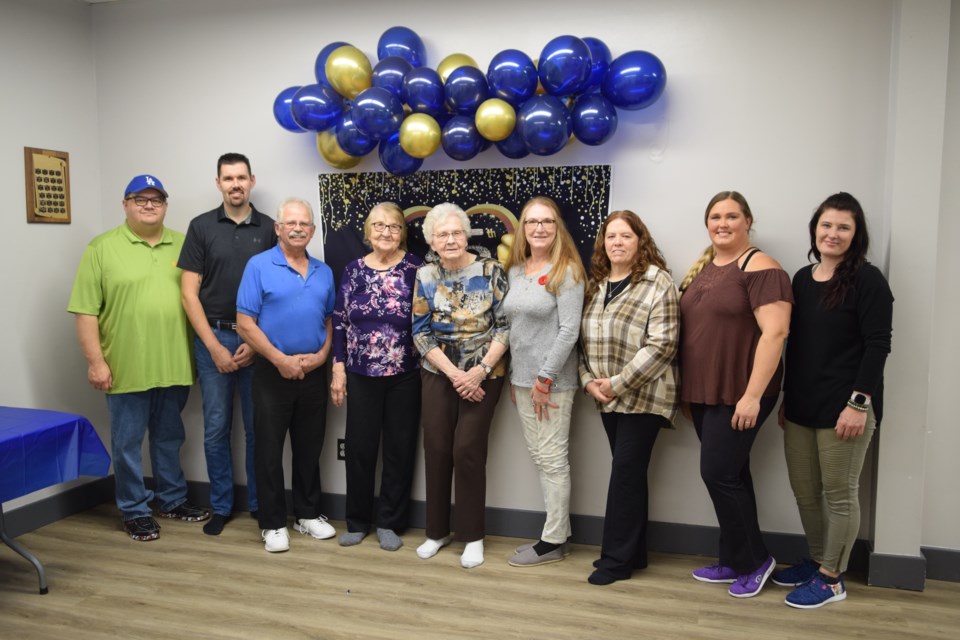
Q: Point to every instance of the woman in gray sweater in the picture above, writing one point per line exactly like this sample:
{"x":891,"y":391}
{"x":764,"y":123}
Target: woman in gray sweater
{"x":543,"y":307}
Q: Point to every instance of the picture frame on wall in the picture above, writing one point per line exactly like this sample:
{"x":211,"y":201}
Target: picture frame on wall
{"x":47,"y":185}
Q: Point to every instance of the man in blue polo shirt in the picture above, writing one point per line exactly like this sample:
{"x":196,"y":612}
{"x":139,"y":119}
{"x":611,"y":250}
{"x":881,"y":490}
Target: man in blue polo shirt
{"x":218,"y":245}
{"x":284,"y":309}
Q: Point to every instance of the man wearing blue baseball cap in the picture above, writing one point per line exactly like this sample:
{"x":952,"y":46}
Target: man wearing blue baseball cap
{"x":136,"y":339}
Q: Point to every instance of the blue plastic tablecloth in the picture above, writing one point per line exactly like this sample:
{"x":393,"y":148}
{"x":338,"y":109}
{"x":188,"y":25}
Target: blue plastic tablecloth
{"x":41,"y":448}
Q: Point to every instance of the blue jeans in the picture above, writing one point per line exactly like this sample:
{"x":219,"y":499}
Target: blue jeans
{"x":132,"y":415}
{"x":216,"y":391}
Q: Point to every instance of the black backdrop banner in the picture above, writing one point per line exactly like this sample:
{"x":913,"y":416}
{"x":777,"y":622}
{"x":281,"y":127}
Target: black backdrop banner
{"x":493,"y":198}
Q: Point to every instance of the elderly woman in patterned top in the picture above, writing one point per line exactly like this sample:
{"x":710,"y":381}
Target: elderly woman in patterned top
{"x":628,"y":342}
{"x":374,"y":358}
{"x":460,"y":330}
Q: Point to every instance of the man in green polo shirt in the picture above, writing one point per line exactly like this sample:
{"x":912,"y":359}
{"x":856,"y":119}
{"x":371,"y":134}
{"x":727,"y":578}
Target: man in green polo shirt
{"x":136,"y":339}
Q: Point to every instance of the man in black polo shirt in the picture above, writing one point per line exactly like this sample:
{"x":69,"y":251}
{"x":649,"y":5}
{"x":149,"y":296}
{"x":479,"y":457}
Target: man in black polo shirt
{"x":217,"y":247}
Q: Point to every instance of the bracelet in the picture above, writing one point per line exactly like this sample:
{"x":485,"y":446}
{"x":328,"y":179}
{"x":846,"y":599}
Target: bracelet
{"x":541,"y":389}
{"x":859,"y":407}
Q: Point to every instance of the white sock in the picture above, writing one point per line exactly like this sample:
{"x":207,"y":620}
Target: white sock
{"x":429,"y":548}
{"x":472,"y":555}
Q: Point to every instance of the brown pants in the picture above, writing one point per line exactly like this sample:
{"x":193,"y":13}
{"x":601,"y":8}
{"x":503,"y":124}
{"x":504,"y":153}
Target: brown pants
{"x":455,"y":448}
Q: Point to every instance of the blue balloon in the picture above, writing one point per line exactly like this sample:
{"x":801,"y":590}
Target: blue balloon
{"x":423,"y":91}
{"x":594,"y":119}
{"x":512,"y":76}
{"x":282,"y":112}
{"x":395,"y":160}
{"x":512,"y":146}
{"x":460,"y":138}
{"x":377,"y":113}
{"x":465,"y":89}
{"x":389,"y":73}
{"x":544,"y":125}
{"x":404,"y":43}
{"x":316,"y":107}
{"x":319,"y":67}
{"x":565,"y":65}
{"x":353,"y":141}
{"x":634,"y":80}
{"x":600,"y":54}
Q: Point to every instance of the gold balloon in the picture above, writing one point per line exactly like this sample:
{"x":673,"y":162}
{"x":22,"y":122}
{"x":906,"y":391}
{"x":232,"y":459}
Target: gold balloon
{"x":330,"y":150}
{"x":454,"y":61}
{"x":419,"y":135}
{"x":348,"y":71}
{"x":540,"y":90}
{"x":505,"y":247}
{"x":495,"y":119}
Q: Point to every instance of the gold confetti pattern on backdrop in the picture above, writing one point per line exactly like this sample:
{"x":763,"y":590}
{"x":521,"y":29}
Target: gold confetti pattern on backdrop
{"x":583,"y":193}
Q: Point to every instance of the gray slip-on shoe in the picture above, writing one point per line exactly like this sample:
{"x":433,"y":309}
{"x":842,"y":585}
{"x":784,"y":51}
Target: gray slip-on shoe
{"x":529,"y":558}
{"x":564,"y":548}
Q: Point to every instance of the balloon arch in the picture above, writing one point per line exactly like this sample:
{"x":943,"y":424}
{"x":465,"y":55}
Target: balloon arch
{"x":407,"y":111}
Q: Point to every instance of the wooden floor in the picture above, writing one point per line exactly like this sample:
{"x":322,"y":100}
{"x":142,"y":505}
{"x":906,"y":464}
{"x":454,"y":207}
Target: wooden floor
{"x":188,"y":585}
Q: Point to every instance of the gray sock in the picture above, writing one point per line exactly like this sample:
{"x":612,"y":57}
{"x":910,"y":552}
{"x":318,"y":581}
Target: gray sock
{"x":389,"y":541}
{"x":351,"y":538}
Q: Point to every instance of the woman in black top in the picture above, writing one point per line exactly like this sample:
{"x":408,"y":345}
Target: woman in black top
{"x":833,"y":393}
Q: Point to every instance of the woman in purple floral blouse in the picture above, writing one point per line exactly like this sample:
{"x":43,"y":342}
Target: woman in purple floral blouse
{"x":374,"y":357}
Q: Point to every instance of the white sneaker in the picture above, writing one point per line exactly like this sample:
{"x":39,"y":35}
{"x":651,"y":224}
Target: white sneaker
{"x":319,"y":528}
{"x":275,"y":540}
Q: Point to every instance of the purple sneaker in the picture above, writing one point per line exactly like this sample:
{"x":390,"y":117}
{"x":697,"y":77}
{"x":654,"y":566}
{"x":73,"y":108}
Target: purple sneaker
{"x":715,"y":573}
{"x":749,"y":585}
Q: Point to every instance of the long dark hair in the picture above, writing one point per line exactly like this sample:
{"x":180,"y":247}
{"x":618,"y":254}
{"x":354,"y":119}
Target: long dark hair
{"x":855,"y":257}
{"x":647,"y":252}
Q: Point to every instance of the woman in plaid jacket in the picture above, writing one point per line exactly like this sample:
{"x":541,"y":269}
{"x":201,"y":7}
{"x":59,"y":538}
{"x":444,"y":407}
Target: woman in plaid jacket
{"x":628,"y":345}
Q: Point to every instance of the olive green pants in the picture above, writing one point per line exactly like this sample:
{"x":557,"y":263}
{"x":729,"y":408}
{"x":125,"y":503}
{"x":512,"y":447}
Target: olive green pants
{"x":825,"y":476}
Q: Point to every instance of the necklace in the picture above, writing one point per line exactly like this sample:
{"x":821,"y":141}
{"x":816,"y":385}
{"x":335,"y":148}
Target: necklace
{"x":615,"y":288}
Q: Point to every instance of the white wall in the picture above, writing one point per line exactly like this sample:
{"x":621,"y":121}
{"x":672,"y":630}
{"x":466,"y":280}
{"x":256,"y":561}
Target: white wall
{"x":49,"y":85}
{"x":787,"y":102}
{"x":940,"y":504}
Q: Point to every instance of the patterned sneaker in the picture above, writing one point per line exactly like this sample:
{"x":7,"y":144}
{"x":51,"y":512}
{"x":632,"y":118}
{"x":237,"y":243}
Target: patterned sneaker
{"x":816,"y":593}
{"x":715,"y":573}
{"x":797,"y":574}
{"x":142,"y":529}
{"x":186,"y":512}
{"x":750,"y":584}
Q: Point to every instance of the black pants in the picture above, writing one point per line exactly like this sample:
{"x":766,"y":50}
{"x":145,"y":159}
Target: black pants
{"x":386,"y":408}
{"x":300,"y":407}
{"x":725,"y":469}
{"x":624,"y":544}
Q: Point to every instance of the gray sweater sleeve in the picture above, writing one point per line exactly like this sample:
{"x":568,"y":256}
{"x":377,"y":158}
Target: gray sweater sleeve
{"x":569,"y":310}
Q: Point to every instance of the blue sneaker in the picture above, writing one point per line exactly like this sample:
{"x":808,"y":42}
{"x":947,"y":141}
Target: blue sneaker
{"x":816,"y":593}
{"x":750,"y":584}
{"x":797,"y":574}
{"x":715,"y":573}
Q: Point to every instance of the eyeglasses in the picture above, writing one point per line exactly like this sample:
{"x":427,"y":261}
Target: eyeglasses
{"x":142,"y":202}
{"x":294,"y":225}
{"x":456,"y":235}
{"x":392,"y":228}
{"x":547,"y":223}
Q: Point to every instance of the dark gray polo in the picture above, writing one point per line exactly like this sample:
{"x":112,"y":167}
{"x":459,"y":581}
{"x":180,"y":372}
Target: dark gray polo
{"x":218,"y":249}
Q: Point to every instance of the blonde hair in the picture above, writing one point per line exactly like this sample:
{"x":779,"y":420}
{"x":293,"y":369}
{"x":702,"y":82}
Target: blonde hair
{"x":709,"y":253}
{"x":647,"y":252}
{"x":563,"y":252}
{"x":391,"y":209}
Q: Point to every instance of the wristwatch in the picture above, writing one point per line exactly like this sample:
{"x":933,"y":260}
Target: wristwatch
{"x":861,"y":399}
{"x":486,"y":368}
{"x":545,"y":380}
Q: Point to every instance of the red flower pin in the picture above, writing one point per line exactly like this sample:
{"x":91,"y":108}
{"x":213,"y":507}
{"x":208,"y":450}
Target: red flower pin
{"x":542,"y":280}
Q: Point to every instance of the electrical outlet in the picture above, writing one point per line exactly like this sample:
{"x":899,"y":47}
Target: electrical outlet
{"x":341,"y":449}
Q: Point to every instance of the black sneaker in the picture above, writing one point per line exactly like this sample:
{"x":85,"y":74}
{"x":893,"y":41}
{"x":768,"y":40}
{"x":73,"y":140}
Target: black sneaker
{"x":186,"y":512}
{"x":142,"y":529}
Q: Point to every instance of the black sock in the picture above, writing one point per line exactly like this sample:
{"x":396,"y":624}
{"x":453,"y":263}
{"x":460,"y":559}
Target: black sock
{"x":828,"y":579}
{"x":215,"y":525}
{"x":542,"y":547}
